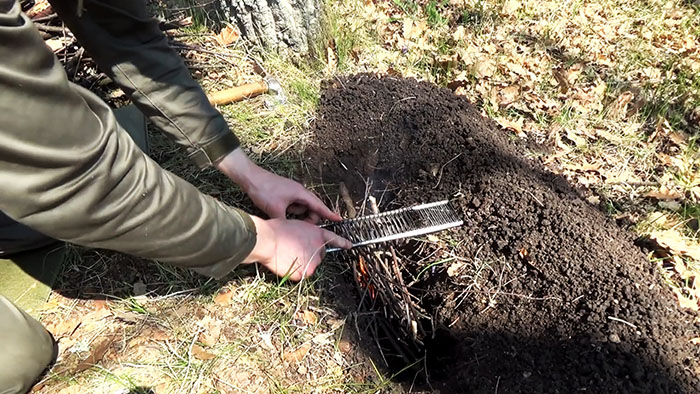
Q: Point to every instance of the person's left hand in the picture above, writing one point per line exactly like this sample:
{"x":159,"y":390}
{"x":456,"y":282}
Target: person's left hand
{"x":273,"y":194}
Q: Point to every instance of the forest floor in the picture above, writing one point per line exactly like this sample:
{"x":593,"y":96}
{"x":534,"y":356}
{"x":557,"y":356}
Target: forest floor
{"x":610,"y":88}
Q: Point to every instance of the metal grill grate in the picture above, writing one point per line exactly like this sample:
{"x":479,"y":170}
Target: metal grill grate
{"x":397,"y":224}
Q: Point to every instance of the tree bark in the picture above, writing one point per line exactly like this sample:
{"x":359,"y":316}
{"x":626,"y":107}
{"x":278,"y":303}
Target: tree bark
{"x":280,"y":25}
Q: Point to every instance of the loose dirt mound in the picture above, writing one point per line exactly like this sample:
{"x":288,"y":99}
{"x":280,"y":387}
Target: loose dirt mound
{"x":544,"y":294}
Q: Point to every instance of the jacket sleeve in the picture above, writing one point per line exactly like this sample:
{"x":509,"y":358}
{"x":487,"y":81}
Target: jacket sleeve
{"x":128,"y":45}
{"x":69,"y":170}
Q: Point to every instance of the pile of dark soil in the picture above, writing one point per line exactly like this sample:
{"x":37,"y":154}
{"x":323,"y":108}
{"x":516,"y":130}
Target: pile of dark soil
{"x":544,"y":292}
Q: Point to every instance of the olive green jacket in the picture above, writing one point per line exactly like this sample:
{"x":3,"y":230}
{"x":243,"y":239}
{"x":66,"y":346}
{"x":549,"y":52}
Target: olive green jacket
{"x":68,"y":170}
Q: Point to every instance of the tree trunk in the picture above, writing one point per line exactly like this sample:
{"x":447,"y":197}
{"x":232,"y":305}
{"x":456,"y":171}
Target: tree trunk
{"x":281,"y":25}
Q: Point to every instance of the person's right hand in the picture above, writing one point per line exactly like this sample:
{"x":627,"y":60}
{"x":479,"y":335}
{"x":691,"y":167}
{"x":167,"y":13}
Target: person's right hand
{"x":292,"y":247}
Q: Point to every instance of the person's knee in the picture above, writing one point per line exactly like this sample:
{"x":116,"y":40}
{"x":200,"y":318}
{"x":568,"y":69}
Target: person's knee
{"x":26,"y":349}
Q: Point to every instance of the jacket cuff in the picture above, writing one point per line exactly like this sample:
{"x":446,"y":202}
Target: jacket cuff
{"x":215,"y":149}
{"x":245,"y":246}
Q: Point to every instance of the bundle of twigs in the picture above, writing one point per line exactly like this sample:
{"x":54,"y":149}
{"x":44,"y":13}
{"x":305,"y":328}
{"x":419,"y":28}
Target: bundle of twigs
{"x":382,"y":274}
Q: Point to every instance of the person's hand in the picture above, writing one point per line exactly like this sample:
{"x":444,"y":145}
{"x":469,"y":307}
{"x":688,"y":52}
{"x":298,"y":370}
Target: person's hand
{"x":273,"y":194}
{"x":292,"y":248}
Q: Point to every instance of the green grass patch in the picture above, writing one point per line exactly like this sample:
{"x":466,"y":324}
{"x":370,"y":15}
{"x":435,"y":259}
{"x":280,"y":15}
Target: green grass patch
{"x":407,"y":6}
{"x":433,"y":13}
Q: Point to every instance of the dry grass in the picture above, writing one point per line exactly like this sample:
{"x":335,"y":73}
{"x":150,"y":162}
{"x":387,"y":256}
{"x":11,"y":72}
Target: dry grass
{"x":613,"y":87}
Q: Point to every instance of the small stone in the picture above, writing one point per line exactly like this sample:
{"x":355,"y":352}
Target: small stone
{"x":527,"y":374}
{"x":344,"y":346}
{"x":614,"y":338}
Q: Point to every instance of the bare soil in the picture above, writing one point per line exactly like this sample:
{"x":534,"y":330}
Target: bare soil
{"x":545,"y":293}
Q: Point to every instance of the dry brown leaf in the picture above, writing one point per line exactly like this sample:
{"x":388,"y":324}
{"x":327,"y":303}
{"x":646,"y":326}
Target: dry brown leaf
{"x":609,"y":136}
{"x":682,"y":269}
{"x":510,"y":6}
{"x":212,"y":331}
{"x":678,"y":137}
{"x":508,"y":95}
{"x":484,"y":68}
{"x":228,"y":35}
{"x":577,"y":139}
{"x":98,"y":349}
{"x":223,"y":298}
{"x":200,"y":353}
{"x":65,"y":328}
{"x":516,"y":68}
{"x":573,"y":72}
{"x":323,"y":338}
{"x":298,"y":354}
{"x":595,"y":200}
{"x":676,"y":243}
{"x":74,"y":389}
{"x":149,"y":334}
{"x":459,"y":34}
{"x":618,"y":109}
{"x":516,"y":126}
{"x":588,"y":179}
{"x":622,"y":177}
{"x":93,"y":319}
{"x":455,"y":268}
{"x":129,"y":317}
{"x":685,"y":302}
{"x":663,"y":193}
{"x":664,"y":159}
{"x":561,"y":80}
{"x":100,"y":305}
{"x":584,"y":167}
{"x":696,"y":191}
{"x":309,"y":317}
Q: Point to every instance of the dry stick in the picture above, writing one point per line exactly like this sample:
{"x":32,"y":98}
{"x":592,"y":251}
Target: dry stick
{"x":44,"y":18}
{"x":379,"y":346}
{"x":411,"y":311}
{"x":349,"y":204}
{"x":412,"y":321}
{"x":79,"y":55}
{"x":442,"y":169}
{"x":389,"y":329}
{"x":73,"y":64}
{"x":47,"y":28}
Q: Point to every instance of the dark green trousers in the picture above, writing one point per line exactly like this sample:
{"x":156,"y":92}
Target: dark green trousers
{"x":26,"y":349}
